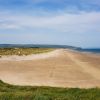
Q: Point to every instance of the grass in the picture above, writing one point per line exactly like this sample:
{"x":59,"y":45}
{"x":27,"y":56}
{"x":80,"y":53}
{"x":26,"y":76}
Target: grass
{"x":11,"y":92}
{"x":23,"y":51}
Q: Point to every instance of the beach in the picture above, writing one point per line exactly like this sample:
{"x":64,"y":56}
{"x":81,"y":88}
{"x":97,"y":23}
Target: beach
{"x":58,"y":68}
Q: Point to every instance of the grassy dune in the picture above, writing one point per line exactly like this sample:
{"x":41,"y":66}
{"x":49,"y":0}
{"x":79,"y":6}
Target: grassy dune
{"x":11,"y":92}
{"x":23,"y":51}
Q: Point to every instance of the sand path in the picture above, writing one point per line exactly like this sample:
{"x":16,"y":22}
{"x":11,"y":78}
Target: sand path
{"x":61,"y":68}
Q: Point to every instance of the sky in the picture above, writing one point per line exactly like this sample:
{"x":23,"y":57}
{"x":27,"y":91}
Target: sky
{"x":63,"y":22}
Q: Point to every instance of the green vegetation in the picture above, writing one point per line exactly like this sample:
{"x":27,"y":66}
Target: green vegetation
{"x":11,"y":92}
{"x":23,"y":51}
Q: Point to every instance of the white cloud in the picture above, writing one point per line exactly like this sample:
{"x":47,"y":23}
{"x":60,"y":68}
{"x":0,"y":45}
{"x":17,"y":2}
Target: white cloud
{"x":8,"y":25}
{"x":95,"y":2}
{"x":61,"y":22}
{"x":87,"y":4}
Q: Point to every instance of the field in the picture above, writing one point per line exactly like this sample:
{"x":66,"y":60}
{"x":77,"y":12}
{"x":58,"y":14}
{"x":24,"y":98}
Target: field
{"x":23,"y":51}
{"x":11,"y":92}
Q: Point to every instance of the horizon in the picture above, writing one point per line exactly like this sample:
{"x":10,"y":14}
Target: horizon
{"x":54,"y":45}
{"x":54,"y":22}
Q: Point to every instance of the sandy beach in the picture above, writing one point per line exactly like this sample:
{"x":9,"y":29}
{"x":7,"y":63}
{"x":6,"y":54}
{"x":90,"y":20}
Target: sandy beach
{"x":59,"y":68}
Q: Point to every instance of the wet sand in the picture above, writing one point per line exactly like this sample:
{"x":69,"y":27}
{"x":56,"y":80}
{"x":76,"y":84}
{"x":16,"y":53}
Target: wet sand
{"x":61,"y":68}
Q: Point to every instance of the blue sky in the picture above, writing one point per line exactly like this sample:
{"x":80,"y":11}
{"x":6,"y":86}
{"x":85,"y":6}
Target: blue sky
{"x":66,"y":22}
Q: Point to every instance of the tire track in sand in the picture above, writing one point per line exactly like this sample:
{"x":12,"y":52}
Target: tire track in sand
{"x":94,"y":72}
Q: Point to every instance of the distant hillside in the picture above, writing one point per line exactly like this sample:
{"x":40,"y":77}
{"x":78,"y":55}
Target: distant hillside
{"x":36,"y":46}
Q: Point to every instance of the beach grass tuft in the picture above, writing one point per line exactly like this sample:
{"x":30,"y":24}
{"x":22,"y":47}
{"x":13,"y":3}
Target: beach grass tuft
{"x":23,"y":51}
{"x":11,"y":92}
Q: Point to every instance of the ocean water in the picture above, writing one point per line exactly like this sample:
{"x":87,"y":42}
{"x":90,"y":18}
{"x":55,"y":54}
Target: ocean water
{"x":93,"y":50}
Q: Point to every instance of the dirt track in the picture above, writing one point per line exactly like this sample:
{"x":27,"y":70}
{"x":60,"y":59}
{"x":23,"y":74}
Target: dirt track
{"x":65,"y":69}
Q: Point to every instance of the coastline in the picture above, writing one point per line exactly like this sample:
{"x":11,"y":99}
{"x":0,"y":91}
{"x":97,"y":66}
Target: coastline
{"x":61,"y":68}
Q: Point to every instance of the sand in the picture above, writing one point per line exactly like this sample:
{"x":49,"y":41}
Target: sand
{"x":30,"y":57}
{"x":59,"y":68}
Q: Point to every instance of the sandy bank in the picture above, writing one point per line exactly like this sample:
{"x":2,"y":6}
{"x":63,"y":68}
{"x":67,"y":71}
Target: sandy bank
{"x":60,"y":68}
{"x":31,"y":57}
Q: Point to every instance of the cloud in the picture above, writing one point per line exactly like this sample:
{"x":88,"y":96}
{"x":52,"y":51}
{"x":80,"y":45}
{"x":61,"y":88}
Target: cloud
{"x":76,"y":21}
{"x":8,"y":26}
{"x":79,"y":4}
{"x":82,"y":22}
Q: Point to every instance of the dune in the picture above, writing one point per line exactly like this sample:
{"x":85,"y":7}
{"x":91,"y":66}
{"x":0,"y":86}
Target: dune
{"x":30,"y":57}
{"x":59,"y":68}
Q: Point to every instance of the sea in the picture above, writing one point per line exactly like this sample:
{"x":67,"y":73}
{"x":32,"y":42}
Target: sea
{"x":90,"y":50}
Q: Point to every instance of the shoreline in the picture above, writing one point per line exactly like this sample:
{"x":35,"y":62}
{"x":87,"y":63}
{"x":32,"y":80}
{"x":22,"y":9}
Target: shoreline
{"x":84,"y":52}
